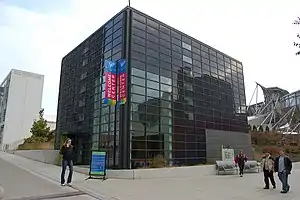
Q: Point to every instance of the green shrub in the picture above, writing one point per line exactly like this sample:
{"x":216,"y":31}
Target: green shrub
{"x":158,"y":162}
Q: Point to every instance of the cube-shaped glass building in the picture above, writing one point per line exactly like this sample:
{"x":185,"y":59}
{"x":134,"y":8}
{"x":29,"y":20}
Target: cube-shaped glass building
{"x":185,"y":99}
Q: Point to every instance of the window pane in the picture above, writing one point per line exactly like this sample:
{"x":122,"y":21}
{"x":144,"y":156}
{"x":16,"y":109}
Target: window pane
{"x":138,"y":81}
{"x":152,"y":76}
{"x":138,"y":72}
{"x":152,"y":53}
{"x":187,"y":59}
{"x":138,"y":48}
{"x":152,"y":84}
{"x":138,"y":17}
{"x":186,"y":46}
{"x":138,"y":24}
{"x":164,"y":29}
{"x":152,"y":23}
{"x":152,"y":93}
{"x":165,"y":73}
{"x":138,"y":98}
{"x":138,"y":90}
{"x":138,"y":40}
{"x":138,"y":32}
{"x":165,"y":88}
{"x":138,"y":64}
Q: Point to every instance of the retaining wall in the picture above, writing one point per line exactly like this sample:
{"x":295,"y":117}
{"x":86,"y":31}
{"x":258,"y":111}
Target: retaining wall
{"x":52,"y":156}
{"x":169,"y":172}
{"x":45,"y":156}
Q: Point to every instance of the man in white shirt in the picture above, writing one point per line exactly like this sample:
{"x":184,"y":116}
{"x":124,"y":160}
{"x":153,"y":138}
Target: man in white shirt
{"x":268,"y":169}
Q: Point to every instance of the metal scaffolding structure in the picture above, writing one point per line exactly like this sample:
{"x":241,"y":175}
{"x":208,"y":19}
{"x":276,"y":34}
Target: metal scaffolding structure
{"x":279,"y":110}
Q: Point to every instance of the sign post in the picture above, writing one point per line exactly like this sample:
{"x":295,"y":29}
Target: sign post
{"x":97,"y":165}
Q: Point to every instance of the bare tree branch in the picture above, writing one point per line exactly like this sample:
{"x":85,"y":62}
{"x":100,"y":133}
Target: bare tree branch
{"x":296,"y":44}
{"x":297,"y":21}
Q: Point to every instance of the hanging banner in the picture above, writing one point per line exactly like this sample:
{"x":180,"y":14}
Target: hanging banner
{"x":110,"y":97}
{"x":122,"y":82}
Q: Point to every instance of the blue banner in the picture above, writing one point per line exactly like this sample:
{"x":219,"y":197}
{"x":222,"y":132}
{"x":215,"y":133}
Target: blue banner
{"x":98,"y":163}
{"x":122,"y":82}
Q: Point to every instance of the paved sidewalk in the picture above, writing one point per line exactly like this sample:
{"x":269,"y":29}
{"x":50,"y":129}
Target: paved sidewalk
{"x":17,"y":183}
{"x":215,"y":187}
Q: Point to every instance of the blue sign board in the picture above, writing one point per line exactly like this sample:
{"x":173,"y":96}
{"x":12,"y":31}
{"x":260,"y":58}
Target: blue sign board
{"x":98,"y":163}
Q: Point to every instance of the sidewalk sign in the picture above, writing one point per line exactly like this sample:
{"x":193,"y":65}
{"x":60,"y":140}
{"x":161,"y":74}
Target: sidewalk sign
{"x":97,"y":165}
{"x":227,"y":154}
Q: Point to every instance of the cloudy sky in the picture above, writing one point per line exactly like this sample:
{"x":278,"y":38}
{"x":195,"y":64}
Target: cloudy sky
{"x":36,"y":34}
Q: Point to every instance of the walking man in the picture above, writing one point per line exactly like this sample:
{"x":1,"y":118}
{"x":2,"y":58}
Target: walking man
{"x":1,"y":192}
{"x":283,"y":165}
{"x":240,"y":160}
{"x":268,"y":169}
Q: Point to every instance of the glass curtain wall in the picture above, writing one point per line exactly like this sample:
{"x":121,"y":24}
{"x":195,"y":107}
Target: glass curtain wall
{"x":105,"y":115}
{"x":179,"y":87}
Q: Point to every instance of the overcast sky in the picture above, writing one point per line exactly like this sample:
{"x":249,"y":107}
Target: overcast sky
{"x":36,"y":34}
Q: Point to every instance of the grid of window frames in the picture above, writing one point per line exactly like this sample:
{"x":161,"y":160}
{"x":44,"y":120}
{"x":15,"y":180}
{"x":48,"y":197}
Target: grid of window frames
{"x":291,"y":100}
{"x":179,"y":87}
{"x":104,"y":115}
{"x":81,"y":110}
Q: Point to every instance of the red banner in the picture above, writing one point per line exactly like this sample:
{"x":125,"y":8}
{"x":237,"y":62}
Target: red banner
{"x":111,"y":83}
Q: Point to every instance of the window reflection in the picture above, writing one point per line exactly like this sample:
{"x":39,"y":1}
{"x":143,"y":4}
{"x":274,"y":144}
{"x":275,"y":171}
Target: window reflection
{"x":187,"y":59}
{"x":152,"y":76}
{"x":181,"y":88}
{"x":186,"y":46}
{"x":138,"y":72}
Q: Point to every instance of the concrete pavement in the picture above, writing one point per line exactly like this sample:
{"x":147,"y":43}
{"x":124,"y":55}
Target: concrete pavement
{"x":18,"y":183}
{"x":209,"y":187}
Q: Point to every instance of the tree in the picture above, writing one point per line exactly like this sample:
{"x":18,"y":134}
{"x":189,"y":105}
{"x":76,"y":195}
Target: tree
{"x":249,"y":127}
{"x":261,"y":128}
{"x":254,"y":128}
{"x":267,"y":129}
{"x":40,"y":130}
{"x":297,"y":44}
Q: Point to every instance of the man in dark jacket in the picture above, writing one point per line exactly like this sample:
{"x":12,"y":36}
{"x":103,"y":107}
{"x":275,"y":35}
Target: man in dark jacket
{"x":283,"y":165}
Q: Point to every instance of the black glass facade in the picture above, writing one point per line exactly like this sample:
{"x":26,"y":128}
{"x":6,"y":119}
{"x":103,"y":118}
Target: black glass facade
{"x":81,"y":114}
{"x":177,"y":88}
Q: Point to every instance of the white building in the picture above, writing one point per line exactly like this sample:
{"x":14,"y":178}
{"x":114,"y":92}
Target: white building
{"x":20,"y":102}
{"x":51,"y":121}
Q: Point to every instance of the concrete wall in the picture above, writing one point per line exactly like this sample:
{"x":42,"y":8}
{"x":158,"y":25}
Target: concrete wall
{"x":237,"y":141}
{"x":23,"y":106}
{"x":51,"y":125}
{"x":172,"y":172}
{"x":51,"y":157}
{"x":45,"y":156}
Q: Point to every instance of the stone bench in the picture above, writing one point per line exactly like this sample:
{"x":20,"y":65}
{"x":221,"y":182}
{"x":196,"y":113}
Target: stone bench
{"x":252,"y":166}
{"x":226,"y":166}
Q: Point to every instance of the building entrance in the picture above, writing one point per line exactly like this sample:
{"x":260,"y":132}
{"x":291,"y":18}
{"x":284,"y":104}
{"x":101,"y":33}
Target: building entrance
{"x":82,"y":149}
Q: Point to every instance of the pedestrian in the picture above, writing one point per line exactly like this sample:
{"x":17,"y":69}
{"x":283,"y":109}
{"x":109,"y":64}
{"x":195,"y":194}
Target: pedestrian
{"x":67,"y":161}
{"x":267,"y":163}
{"x":283,"y":165}
{"x":1,"y":192}
{"x":240,"y":160}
